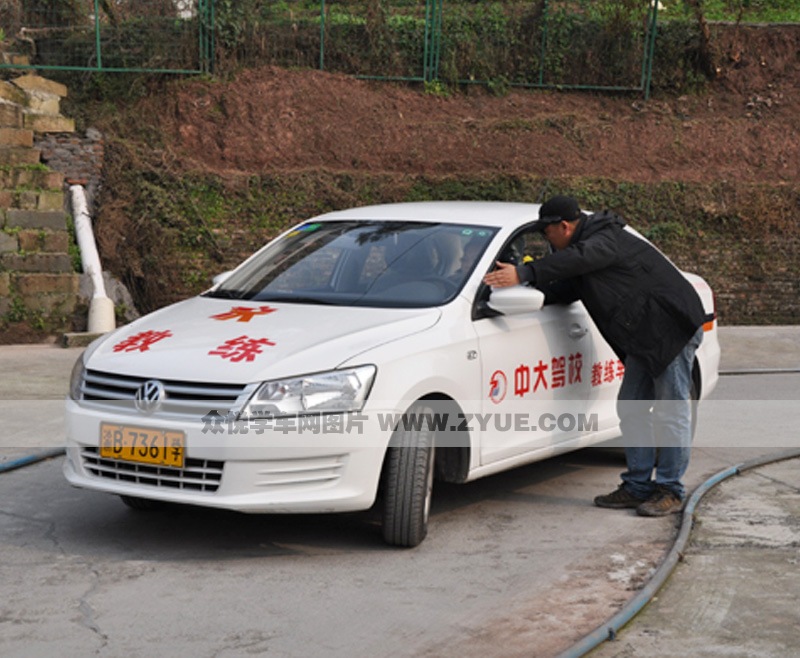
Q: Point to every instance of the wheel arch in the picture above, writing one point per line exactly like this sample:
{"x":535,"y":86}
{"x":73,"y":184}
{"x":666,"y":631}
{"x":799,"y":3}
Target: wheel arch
{"x":454,"y":444}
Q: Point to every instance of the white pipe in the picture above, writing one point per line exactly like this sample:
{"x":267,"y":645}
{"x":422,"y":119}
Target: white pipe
{"x":101,"y":308}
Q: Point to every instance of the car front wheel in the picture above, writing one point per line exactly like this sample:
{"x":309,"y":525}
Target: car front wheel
{"x":409,"y":479}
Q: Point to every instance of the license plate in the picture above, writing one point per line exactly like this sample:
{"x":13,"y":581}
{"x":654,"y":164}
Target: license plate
{"x":142,"y":445}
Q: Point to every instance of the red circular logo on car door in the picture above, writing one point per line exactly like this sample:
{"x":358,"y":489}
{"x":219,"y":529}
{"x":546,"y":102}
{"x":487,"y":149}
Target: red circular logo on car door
{"x":498,"y":384}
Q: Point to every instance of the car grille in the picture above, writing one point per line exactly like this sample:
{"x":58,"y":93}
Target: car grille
{"x":182,"y":399}
{"x":201,"y":475}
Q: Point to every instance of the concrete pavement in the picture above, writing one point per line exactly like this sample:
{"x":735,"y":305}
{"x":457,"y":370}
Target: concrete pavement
{"x":736,"y":591}
{"x":34,"y":384}
{"x":759,"y":348}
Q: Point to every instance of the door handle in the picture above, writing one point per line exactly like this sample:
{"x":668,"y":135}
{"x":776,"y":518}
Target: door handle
{"x":576,"y":331}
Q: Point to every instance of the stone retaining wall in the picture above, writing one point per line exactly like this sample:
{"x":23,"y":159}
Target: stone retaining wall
{"x":80,"y":159}
{"x":38,"y":283}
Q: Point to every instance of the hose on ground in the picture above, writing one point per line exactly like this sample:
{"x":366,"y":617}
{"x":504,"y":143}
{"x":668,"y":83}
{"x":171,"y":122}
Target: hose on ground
{"x":609,"y":629}
{"x":31,"y":459}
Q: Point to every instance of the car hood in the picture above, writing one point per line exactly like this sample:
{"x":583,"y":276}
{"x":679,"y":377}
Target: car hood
{"x":231,"y":341}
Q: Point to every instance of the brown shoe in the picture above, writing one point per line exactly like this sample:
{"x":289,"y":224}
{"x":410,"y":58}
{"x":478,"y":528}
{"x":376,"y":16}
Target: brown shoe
{"x":619,"y":499}
{"x":661,"y":503}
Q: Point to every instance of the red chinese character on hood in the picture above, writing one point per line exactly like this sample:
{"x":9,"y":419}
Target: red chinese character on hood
{"x":141,"y":341}
{"x":242,"y":348}
{"x":243,"y":313}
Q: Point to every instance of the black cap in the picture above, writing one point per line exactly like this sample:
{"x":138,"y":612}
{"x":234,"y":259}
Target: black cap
{"x":557,"y":209}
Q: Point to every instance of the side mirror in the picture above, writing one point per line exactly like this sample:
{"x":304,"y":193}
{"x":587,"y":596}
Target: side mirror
{"x":516,"y":300}
{"x":221,"y":277}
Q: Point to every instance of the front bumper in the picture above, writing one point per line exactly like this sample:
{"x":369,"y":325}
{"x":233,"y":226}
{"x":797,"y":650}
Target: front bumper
{"x":248,"y":467}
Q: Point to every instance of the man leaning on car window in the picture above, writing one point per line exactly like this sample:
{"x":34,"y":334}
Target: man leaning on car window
{"x":651,"y":317}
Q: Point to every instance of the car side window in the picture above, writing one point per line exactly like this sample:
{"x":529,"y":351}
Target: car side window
{"x":536,"y":246}
{"x":526,"y":246}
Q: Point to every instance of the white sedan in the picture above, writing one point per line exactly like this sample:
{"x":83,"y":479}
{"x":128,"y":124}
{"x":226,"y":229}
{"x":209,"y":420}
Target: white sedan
{"x":355,"y":358}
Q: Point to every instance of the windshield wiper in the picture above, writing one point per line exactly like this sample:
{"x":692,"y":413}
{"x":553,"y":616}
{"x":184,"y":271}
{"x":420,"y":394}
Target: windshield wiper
{"x":225,"y":294}
{"x":293,"y":299}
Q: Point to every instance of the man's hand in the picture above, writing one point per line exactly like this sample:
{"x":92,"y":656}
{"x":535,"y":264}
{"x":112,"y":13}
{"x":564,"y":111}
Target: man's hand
{"x":504,"y":276}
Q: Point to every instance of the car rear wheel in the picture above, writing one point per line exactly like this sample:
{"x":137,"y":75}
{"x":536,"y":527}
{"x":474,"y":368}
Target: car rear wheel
{"x":408,"y":485}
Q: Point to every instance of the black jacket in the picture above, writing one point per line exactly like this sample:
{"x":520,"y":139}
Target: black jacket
{"x":638,"y":299}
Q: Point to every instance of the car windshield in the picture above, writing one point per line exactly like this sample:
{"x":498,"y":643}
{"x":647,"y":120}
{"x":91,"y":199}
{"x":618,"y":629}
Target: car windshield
{"x":358,"y":263}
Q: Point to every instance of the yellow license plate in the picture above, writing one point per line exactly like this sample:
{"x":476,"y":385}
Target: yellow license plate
{"x":143,"y":445}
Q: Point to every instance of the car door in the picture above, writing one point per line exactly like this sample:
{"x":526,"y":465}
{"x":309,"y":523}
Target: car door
{"x":535,"y":368}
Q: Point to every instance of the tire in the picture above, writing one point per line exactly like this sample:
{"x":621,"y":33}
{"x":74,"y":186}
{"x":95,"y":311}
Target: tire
{"x":408,"y":484}
{"x":141,"y":504}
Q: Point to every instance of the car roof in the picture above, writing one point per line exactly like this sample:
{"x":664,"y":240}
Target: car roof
{"x":487,"y":213}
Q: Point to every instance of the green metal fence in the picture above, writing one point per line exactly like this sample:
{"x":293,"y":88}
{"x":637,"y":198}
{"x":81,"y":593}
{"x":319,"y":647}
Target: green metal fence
{"x":583,"y":44}
{"x":169,"y":36}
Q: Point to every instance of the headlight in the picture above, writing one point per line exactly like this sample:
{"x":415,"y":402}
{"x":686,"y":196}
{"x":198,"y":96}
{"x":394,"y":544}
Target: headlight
{"x":76,"y":378}
{"x":337,"y":391}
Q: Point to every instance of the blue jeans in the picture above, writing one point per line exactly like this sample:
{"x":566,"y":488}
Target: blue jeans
{"x":656,"y":421}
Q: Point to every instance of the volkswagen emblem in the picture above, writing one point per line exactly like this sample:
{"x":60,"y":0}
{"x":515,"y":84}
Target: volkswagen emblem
{"x":150,"y":395}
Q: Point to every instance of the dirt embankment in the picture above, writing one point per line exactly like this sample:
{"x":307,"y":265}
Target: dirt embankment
{"x":745,"y":129}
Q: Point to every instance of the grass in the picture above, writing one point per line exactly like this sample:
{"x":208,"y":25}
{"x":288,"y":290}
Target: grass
{"x":748,"y":11}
